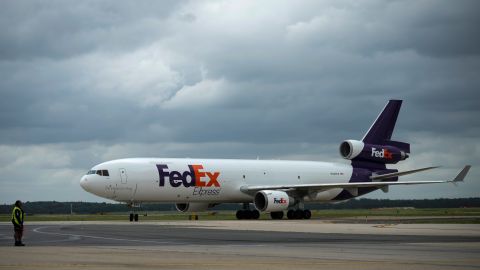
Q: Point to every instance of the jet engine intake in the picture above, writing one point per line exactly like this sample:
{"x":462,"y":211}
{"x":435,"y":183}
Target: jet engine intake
{"x":387,"y":154}
{"x":272,"y":200}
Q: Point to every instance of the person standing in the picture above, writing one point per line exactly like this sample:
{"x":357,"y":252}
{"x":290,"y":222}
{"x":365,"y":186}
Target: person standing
{"x":17,"y":220}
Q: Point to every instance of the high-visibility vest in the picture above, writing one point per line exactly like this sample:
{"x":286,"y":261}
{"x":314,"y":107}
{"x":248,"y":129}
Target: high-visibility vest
{"x":15,"y":219}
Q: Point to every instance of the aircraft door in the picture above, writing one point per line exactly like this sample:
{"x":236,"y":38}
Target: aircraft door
{"x":123,"y":175}
{"x":123,"y":191}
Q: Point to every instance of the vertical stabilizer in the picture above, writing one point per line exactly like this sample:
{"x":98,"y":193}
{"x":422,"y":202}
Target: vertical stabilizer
{"x":381,"y":130}
{"x":376,"y":148}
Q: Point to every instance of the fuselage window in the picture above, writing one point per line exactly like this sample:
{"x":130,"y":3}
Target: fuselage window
{"x":99,"y":172}
{"x":91,"y":172}
{"x":105,"y":173}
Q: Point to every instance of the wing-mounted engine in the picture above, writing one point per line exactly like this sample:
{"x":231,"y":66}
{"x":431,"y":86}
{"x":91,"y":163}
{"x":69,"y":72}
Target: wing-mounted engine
{"x":193,"y":207}
{"x":272,"y":200}
{"x":390,"y":153}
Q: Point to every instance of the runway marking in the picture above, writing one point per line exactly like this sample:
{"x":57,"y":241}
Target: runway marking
{"x":385,"y":225}
{"x":5,"y":237}
{"x":78,"y":236}
{"x":70,"y":239}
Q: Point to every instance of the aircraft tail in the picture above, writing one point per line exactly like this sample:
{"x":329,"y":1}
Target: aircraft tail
{"x":376,"y":148}
{"x":380,"y":133}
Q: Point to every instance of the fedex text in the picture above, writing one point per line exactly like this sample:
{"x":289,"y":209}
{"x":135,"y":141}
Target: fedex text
{"x":194,"y":177}
{"x":384,"y":153}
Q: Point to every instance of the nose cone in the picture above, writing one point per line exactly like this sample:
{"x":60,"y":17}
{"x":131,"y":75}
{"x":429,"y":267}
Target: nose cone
{"x":84,"y":183}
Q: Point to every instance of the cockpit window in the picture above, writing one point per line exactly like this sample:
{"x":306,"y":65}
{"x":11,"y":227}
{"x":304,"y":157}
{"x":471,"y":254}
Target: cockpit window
{"x":99,"y":172}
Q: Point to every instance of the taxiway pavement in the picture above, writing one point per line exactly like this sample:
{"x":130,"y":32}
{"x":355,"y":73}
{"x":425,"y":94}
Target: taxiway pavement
{"x":264,"y":244}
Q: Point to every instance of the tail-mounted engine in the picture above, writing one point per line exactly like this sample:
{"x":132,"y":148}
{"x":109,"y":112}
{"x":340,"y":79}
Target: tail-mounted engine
{"x":390,"y":153}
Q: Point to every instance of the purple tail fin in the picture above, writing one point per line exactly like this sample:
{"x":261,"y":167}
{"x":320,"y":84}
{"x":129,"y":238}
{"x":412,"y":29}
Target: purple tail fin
{"x":376,"y":148}
{"x":380,"y":132}
{"x":382,"y":129}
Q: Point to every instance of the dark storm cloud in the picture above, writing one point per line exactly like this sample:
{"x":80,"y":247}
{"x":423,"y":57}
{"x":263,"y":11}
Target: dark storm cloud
{"x":59,"y":29}
{"x":303,"y":65}
{"x":84,"y":82}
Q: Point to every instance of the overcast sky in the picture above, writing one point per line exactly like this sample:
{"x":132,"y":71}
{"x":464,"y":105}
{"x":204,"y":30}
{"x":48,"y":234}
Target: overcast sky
{"x":82,"y":82}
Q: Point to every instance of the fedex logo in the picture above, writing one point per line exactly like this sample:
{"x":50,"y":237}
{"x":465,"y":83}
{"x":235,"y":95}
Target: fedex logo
{"x":279,"y":201}
{"x":194,"y":177}
{"x":384,"y":153}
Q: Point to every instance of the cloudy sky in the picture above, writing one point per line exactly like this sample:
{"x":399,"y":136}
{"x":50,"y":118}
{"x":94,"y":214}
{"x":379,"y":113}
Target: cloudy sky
{"x":82,"y":82}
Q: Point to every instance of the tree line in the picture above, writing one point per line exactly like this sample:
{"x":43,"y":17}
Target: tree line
{"x":54,"y":207}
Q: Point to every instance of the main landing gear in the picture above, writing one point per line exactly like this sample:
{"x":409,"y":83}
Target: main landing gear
{"x":276,"y":215}
{"x":299,"y":214}
{"x":292,"y":214}
{"x":246,"y":213}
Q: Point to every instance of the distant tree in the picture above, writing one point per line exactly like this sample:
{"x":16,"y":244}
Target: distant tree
{"x":54,"y":207}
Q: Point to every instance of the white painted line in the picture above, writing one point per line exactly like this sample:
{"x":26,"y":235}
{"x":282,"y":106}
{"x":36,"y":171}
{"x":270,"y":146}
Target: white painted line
{"x":78,"y":236}
{"x":69,"y":239}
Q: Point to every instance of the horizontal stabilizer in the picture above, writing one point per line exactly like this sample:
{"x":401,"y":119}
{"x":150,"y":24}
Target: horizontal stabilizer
{"x":396,"y":174}
{"x":461,"y":175}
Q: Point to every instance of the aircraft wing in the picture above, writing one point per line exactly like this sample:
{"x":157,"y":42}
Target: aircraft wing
{"x":379,"y":184}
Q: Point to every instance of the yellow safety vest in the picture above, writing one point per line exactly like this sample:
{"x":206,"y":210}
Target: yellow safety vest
{"x":15,"y":219}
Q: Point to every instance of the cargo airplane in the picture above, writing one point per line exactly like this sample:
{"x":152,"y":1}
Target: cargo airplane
{"x":272,"y":186}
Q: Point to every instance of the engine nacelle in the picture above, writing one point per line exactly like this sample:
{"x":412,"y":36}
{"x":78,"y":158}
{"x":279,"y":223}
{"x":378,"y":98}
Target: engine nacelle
{"x":388,"y":154}
{"x":193,"y":207}
{"x":272,"y":201}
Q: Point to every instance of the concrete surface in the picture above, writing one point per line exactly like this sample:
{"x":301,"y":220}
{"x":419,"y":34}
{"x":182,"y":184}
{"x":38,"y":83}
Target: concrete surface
{"x":283,"y":244}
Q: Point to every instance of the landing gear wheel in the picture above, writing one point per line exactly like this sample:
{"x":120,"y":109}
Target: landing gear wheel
{"x":291,"y":214}
{"x":255,"y":214}
{"x":239,"y":214}
{"x":136,"y":217}
{"x":131,"y":217}
{"x":276,"y":215}
{"x":298,"y":214}
{"x":307,"y":214}
{"x":247,"y":214}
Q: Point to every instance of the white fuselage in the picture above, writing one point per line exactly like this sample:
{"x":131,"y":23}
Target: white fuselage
{"x":206,"y":180}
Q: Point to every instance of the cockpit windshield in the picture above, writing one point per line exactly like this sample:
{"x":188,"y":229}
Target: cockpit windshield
{"x":99,"y":172}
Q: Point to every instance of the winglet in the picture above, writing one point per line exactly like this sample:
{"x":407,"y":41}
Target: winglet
{"x":461,"y":175}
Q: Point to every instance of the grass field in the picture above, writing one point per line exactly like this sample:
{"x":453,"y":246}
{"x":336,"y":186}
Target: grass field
{"x":432,"y":215}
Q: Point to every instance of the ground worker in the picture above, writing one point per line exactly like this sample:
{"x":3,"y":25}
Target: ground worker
{"x":17,"y":220}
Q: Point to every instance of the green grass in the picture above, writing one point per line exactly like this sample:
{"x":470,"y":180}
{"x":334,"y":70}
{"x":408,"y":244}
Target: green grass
{"x":472,"y":215}
{"x":152,"y":216}
{"x":399,"y":212}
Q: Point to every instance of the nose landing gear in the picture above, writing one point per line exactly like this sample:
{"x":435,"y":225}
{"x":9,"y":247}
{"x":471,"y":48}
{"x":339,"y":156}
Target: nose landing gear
{"x":133,"y":214}
{"x":133,"y":217}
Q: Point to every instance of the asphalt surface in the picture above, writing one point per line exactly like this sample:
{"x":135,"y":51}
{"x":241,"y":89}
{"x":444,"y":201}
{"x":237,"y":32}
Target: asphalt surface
{"x":136,"y":234}
{"x":178,"y":246}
